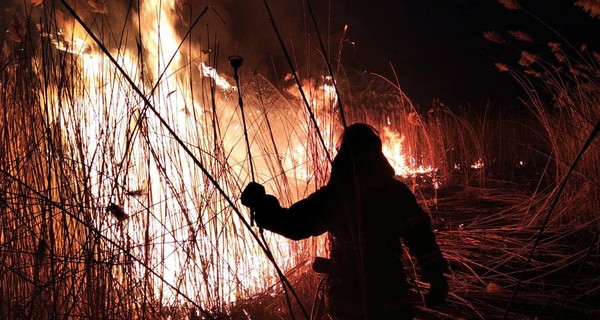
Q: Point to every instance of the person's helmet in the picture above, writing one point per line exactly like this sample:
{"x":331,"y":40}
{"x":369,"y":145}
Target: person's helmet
{"x":360,"y":137}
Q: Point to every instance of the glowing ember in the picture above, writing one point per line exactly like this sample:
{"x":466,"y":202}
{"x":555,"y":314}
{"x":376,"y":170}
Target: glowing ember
{"x":478,"y":164}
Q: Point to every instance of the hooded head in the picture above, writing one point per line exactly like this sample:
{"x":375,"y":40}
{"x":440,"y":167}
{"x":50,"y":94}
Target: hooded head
{"x":360,"y":138}
{"x":360,"y":155}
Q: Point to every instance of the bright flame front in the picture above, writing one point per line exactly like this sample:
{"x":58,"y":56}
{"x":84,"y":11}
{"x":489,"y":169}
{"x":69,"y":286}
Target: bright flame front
{"x":181,"y":230}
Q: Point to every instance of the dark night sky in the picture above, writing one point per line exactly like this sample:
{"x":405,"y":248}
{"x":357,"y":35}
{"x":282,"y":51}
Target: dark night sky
{"x":438,"y":50}
{"x":436,"y":46}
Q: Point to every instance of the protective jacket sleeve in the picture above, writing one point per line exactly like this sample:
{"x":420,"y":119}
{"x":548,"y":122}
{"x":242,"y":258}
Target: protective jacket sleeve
{"x":305,"y":218}
{"x":420,"y":239}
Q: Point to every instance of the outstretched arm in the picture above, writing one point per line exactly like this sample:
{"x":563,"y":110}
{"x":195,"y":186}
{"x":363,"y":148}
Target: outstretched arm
{"x":303,"y":219}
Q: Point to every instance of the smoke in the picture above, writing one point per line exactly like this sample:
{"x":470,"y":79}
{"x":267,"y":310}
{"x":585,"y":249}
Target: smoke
{"x":7,"y":5}
{"x":229,"y":27}
{"x":8,"y":9}
{"x":246,"y":30}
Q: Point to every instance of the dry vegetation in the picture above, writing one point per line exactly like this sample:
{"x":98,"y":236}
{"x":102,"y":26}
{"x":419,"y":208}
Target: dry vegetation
{"x":119,"y":185}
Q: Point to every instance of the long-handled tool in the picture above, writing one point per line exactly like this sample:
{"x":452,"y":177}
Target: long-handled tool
{"x":236,"y":62}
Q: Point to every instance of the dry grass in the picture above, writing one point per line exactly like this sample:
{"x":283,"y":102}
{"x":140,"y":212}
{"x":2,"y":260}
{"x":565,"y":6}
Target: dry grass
{"x":118,"y":191}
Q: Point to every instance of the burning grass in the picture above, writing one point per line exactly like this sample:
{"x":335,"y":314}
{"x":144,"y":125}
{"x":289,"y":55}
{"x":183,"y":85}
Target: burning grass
{"x":120,"y":168}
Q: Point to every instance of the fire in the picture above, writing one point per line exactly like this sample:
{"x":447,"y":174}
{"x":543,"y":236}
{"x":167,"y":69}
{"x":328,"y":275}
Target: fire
{"x":176,"y":221}
{"x":320,"y":93}
{"x":107,"y":118}
{"x":393,"y":149}
{"x":220,"y":81}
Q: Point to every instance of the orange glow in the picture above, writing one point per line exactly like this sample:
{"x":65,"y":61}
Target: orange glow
{"x":195,"y":240}
{"x":393,"y":144}
{"x":478,"y":164}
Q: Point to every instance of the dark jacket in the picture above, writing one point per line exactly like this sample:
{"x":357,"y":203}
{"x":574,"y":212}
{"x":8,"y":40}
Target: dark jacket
{"x":366,"y":212}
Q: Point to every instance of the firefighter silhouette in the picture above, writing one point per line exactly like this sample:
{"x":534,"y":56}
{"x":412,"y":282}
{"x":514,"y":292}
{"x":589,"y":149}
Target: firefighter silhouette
{"x":366,"y":212}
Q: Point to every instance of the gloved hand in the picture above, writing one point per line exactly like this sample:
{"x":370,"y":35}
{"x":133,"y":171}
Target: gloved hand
{"x":253,"y":195}
{"x":438,"y":290}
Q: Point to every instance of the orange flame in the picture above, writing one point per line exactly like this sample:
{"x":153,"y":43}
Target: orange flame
{"x":393,"y":144}
{"x":179,"y":209}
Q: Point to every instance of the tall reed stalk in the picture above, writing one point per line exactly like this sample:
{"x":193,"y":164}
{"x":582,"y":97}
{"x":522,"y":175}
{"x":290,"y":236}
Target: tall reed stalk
{"x":104,"y":213}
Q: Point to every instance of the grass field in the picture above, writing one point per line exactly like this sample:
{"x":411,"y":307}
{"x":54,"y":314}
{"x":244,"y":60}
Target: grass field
{"x":123,"y":152}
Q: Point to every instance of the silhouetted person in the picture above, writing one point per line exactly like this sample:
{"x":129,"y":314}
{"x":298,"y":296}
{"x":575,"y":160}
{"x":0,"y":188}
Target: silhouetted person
{"x":366,"y":212}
